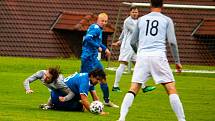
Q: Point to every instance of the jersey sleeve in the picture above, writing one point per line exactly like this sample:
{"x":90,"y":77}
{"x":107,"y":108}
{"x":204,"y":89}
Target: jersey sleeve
{"x":121,"y":36}
{"x":32,"y":78}
{"x":135,"y":38}
{"x":91,"y":88}
{"x":172,"y":41}
{"x":103,"y":47}
{"x":84,"y":86}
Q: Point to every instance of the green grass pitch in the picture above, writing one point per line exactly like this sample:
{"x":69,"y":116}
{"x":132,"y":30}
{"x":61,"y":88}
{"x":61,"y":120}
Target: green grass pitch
{"x":197,"y":93}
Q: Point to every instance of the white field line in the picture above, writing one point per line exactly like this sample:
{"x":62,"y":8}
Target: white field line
{"x":185,"y":70}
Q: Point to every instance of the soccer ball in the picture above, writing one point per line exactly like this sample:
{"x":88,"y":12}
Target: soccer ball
{"x":96,"y":107}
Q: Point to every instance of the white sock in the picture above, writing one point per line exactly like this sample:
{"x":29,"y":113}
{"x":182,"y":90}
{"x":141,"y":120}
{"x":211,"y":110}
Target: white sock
{"x":177,"y":106}
{"x":143,"y":86}
{"x":118,"y":76}
{"x":127,"y":102}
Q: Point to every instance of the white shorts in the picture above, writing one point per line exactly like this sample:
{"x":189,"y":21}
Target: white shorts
{"x":155,"y":66}
{"x":127,"y":55}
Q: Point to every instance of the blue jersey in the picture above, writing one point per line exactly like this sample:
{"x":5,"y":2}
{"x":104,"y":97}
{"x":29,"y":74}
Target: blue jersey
{"x":92,"y":41}
{"x":79,"y":83}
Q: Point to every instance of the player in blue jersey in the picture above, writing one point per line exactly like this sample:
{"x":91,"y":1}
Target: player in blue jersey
{"x":92,"y":44}
{"x":151,"y":34}
{"x":69,"y":93}
{"x":80,"y":84}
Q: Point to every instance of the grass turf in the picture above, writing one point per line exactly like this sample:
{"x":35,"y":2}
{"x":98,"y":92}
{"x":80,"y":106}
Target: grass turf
{"x":196,"y":92}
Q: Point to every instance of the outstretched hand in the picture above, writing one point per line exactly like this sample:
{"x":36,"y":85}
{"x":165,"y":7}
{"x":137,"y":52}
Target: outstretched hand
{"x":178,"y":68}
{"x":104,"y":113}
{"x":116,"y":43}
{"x":108,"y":53}
{"x":29,"y":91}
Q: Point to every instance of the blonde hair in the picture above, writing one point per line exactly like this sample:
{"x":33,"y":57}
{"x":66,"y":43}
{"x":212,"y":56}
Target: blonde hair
{"x":102,"y":15}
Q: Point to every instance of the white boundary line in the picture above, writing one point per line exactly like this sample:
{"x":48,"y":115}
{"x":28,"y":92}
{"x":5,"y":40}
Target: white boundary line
{"x":172,"y":5}
{"x":185,"y":70}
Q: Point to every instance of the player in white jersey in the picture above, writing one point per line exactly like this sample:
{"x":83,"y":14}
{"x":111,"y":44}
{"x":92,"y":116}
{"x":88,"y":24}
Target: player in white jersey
{"x":126,"y":52}
{"x":52,"y":80}
{"x":70,"y":93}
{"x":151,"y":33}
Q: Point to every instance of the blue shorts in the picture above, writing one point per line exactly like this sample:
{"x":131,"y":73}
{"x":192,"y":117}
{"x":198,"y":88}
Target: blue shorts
{"x":72,"y":105}
{"x":90,"y":63}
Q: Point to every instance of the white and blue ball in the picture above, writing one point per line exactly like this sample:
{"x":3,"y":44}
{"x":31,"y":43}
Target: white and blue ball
{"x":96,"y":107}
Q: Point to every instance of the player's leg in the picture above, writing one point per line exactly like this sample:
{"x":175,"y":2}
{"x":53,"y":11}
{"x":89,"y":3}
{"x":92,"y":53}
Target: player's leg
{"x":128,"y":100}
{"x":162,"y":73}
{"x":175,"y":101}
{"x":118,"y":76}
{"x":140,"y":75}
{"x":145,"y":88}
{"x":72,"y":105}
{"x":53,"y":99}
{"x":47,"y":106}
{"x":124,"y":57}
{"x":86,"y":65}
{"x":104,"y":87}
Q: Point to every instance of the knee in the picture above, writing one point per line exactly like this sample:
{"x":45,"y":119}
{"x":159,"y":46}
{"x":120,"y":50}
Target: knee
{"x":171,"y":90}
{"x":135,"y":87}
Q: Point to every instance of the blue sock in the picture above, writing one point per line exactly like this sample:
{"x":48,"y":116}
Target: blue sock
{"x":105,"y":91}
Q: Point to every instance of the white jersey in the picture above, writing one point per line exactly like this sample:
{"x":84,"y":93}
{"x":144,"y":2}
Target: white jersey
{"x":152,"y":31}
{"x":58,"y":84}
{"x":128,"y":29}
{"x":126,"y":51}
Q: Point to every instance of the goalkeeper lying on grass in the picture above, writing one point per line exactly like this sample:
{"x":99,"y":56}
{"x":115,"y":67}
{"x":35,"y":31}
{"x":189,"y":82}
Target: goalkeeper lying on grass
{"x":70,"y":93}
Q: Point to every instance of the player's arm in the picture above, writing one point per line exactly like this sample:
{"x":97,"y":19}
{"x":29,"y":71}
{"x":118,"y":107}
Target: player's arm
{"x":30,"y":79}
{"x":86,"y":104}
{"x":85,"y":101}
{"x":135,"y":38}
{"x":173,"y":45}
{"x":64,"y":88}
{"x":103,"y":46}
{"x":94,"y":95}
{"x":121,"y":36}
{"x":105,"y":49}
{"x":117,"y":43}
{"x":89,"y":38}
{"x":69,"y":95}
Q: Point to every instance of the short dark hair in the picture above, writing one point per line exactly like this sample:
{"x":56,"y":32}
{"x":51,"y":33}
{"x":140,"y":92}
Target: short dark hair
{"x":156,"y":3}
{"x":98,"y":73}
{"x":133,"y":8}
{"x":54,"y":71}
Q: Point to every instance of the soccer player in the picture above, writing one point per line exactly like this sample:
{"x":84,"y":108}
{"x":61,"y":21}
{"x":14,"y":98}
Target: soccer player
{"x":92,"y":44}
{"x":80,"y":84}
{"x":52,"y":80}
{"x":151,"y":33}
{"x":67,"y":93}
{"x":126,"y":52}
